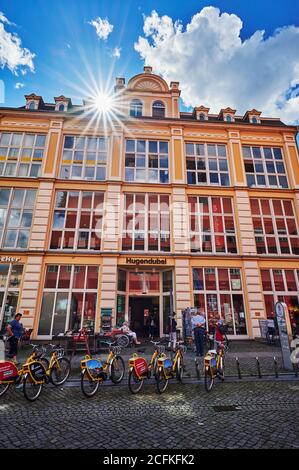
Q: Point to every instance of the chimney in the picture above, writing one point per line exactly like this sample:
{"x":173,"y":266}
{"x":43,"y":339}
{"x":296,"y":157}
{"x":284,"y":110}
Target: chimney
{"x":147,"y":69}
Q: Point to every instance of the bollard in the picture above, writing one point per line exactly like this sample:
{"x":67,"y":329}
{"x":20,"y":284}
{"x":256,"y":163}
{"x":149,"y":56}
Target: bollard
{"x":275,"y":367}
{"x":238,"y":368}
{"x":197,"y":368}
{"x":258,"y":368}
{"x":2,"y":350}
{"x":295,"y":367}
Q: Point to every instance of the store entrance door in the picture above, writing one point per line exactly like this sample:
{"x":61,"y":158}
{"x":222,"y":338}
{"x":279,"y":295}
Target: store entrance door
{"x":140,"y":309}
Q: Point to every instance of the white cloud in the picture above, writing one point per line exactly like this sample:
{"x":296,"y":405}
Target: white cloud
{"x":103,"y":27}
{"x":19,"y":85}
{"x":117,"y":52}
{"x":216,"y":68}
{"x":12,"y":54}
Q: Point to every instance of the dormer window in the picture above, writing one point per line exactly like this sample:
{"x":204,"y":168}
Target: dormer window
{"x":202,"y":117}
{"x":158,"y":109}
{"x":136,"y":108}
{"x":255,"y":120}
{"x":61,"y":108}
{"x":228,"y":118}
{"x":31,"y":105}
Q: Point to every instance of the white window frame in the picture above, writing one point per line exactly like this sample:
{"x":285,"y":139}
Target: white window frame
{"x":84,"y":163}
{"x":201,"y":234}
{"x":20,"y":160}
{"x":93,"y":211}
{"x":263,"y":161}
{"x":146,"y":155}
{"x":7,"y":290}
{"x":207,"y":158}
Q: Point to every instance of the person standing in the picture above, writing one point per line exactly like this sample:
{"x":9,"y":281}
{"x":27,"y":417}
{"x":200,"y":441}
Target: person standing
{"x":198,"y":322}
{"x":172,"y":331}
{"x":15,"y":331}
{"x":152,"y":326}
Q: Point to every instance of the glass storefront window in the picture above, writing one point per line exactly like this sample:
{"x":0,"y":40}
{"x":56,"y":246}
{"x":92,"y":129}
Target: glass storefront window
{"x":69,"y":299}
{"x":167,"y":281}
{"x":10,"y":282}
{"x":122,"y":280}
{"x":218,"y":293}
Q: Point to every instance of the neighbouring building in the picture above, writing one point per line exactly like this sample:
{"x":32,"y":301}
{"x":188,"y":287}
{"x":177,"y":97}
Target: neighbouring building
{"x":115,"y":213}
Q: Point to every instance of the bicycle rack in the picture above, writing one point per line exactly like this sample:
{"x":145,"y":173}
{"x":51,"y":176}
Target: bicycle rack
{"x":275,"y":367}
{"x":258,"y":368}
{"x":238,"y":368}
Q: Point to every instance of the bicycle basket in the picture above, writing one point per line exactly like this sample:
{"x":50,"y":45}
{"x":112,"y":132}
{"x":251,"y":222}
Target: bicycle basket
{"x":37,"y":371}
{"x":95,"y":367}
{"x":8,"y":371}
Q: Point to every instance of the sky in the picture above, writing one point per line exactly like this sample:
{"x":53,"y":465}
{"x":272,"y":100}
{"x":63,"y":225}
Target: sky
{"x":237,"y":53}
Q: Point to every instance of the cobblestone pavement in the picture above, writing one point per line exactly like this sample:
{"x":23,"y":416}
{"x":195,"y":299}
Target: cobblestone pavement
{"x":263,"y":415}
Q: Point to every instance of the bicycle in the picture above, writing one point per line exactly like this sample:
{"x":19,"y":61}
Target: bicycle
{"x":168,"y":369}
{"x":32,"y":375}
{"x":59,"y":367}
{"x":214,"y":366}
{"x":93,"y":372}
{"x":140,"y":370}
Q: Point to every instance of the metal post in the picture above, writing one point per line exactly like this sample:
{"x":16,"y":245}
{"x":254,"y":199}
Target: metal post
{"x":238,"y":368}
{"x":258,"y":368}
{"x":170,"y":321}
{"x":275,"y":367}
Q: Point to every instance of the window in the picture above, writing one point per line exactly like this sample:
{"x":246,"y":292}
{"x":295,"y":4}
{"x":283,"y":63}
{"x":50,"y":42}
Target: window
{"x":275,"y":227}
{"x":16,"y":214}
{"x":84,"y":158}
{"x":146,"y":225}
{"x":207,"y":164}
{"x":254,"y":120}
{"x":212,"y":228}
{"x":218,"y":293}
{"x":281,"y":285}
{"x":31,"y":105}
{"x":146,"y":161}
{"x":158,"y":109}
{"x":77,"y":222}
{"x":21,"y":154}
{"x":228,"y":118}
{"x":69,"y":299}
{"x":202,"y":117}
{"x":10,"y":282}
{"x":61,"y":107}
{"x":136,"y":108}
{"x":264,"y":167}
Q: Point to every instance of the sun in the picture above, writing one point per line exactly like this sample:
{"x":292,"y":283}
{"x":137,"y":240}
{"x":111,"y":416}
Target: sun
{"x":103,"y":103}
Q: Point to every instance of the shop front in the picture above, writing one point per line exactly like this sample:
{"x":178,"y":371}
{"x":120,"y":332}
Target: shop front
{"x":143,"y":299}
{"x":10,"y":283}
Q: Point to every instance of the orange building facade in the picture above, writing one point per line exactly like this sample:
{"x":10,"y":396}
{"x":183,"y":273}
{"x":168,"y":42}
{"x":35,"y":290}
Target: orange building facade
{"x":149,"y":209}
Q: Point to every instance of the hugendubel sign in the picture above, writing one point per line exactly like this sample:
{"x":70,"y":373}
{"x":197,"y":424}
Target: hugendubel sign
{"x":285,"y":333}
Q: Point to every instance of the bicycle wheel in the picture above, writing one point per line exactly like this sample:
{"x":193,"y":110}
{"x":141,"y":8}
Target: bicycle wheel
{"x":135,"y":384}
{"x":221,"y":370}
{"x":31,"y":390}
{"x":179,"y":370}
{"x":60,"y":371}
{"x":117,"y":369}
{"x":209,"y":380}
{"x":3,"y":388}
{"x":161,"y":381}
{"x":88,"y":386}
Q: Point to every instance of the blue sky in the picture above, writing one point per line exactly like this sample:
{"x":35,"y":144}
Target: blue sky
{"x":69,"y":54}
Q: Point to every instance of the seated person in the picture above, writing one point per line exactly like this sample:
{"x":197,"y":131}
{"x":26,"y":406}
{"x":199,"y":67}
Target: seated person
{"x":126,"y":330}
{"x":219,"y":336}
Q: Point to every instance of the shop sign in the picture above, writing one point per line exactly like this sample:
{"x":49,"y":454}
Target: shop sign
{"x":281,"y":312}
{"x":10,"y":259}
{"x":150,"y":261}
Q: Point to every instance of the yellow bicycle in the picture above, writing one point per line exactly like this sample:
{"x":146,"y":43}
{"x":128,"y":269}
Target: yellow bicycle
{"x":214,"y":366}
{"x":168,"y":369}
{"x":140,"y":370}
{"x":32,"y":375}
{"x":59,"y":367}
{"x":94,"y":372}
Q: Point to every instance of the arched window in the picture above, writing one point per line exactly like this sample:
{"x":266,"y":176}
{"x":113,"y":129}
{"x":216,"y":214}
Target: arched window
{"x":254,"y":120}
{"x":61,"y":107}
{"x":136,"y":108}
{"x":158,"y":109}
{"x":31,"y":105}
{"x":229,"y":118}
{"x":202,"y":117}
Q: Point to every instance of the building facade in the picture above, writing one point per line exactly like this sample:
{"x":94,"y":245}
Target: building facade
{"x":144,"y":208}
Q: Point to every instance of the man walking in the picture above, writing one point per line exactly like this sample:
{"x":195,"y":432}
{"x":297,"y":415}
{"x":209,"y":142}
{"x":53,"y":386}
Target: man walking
{"x":198,"y":322}
{"x":15,"y":331}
